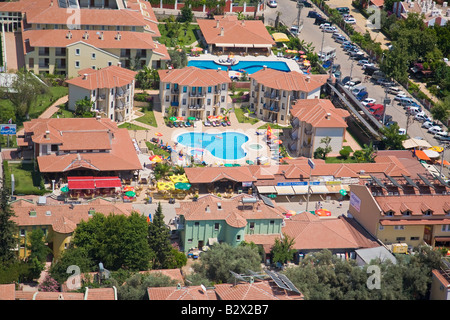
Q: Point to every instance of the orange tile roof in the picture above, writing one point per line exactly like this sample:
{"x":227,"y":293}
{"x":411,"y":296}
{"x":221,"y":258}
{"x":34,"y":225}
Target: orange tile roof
{"x":258,"y":290}
{"x":40,"y":295}
{"x":183,"y":293}
{"x":235,"y":31}
{"x":290,"y":81}
{"x":62,"y":217}
{"x":211,"y":174}
{"x":438,"y":204}
{"x":194,"y":77}
{"x":121,"y":156}
{"x":232,"y":210}
{"x":61,"y":38}
{"x":109,"y":77}
{"x":100,"y":294}
{"x":319,"y":113}
{"x":313,"y":233}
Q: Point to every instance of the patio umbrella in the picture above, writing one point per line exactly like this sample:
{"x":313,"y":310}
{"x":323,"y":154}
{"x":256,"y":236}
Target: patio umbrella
{"x":155,"y":158}
{"x":303,"y":56}
{"x":173,"y":118}
{"x":343,"y":192}
{"x":436,"y":148}
{"x":290,"y":213}
{"x":249,"y":162}
{"x":182,"y":186}
{"x":301,"y":52}
{"x":431,"y":153}
{"x":158,"y":134}
{"x":277,"y":141}
{"x":280,"y":37}
{"x":272,"y":195}
{"x":323,"y":212}
{"x":65,"y":189}
{"x":446,"y":163}
{"x":306,"y":63}
{"x":128,"y":188}
{"x":191,"y":118}
{"x":130,"y":193}
{"x":197,"y":49}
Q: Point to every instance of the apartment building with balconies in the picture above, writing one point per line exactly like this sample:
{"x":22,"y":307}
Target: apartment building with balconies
{"x":111,"y":91}
{"x":312,"y":120}
{"x":65,"y":36}
{"x":273,"y":92}
{"x":193,"y":92}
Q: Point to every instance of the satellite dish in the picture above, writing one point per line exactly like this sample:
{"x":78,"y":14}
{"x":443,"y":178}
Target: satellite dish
{"x":203,"y":288}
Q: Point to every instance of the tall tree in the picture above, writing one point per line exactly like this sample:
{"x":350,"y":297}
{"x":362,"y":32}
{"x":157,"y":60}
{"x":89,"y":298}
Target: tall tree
{"x":441,"y":111}
{"x":159,"y":240}
{"x":8,"y":228}
{"x":25,"y":89}
{"x":392,"y":139}
{"x":282,"y":250}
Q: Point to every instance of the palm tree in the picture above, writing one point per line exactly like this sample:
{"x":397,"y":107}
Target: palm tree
{"x":162,"y":170}
{"x":178,"y":170}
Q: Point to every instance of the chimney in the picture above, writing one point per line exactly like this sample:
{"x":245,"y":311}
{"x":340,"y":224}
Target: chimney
{"x":217,"y":23}
{"x":47,"y":134}
{"x":328,"y":116}
{"x":69,"y":35}
{"x":98,"y":117}
{"x":264,"y":67}
{"x":219,"y":69}
{"x":308,"y":78}
{"x":119,"y":64}
{"x":51,"y":3}
{"x":86,"y":35}
{"x":221,"y":32}
{"x":207,"y":208}
{"x":85,"y":76}
{"x":118,"y":36}
{"x":101,"y":35}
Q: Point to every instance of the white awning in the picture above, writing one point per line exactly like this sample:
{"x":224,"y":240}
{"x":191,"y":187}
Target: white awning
{"x":243,"y":45}
{"x":259,"y":45}
{"x":284,"y":190}
{"x":228,"y":45}
{"x":319,"y":189}
{"x":300,"y":189}
{"x":266,"y":189}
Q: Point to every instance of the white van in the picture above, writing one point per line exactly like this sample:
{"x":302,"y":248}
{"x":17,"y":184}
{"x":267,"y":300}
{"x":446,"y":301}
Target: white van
{"x":327,"y":53}
{"x":394,"y":90}
{"x":378,"y":75}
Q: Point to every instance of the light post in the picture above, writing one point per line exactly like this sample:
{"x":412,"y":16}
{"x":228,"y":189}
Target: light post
{"x":446,"y":145}
{"x":386,"y":101}
{"x":311,"y":166}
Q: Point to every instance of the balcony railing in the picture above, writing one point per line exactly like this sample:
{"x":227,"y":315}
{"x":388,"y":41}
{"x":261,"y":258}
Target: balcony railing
{"x":175,"y":103}
{"x":196,"y":107}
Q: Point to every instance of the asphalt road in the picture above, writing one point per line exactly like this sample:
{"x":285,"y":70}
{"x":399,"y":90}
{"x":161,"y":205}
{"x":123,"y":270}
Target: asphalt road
{"x":312,"y":34}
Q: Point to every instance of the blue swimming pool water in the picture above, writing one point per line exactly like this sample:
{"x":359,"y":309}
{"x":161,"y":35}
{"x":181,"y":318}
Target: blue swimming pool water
{"x":249,"y":66}
{"x":225,"y":145}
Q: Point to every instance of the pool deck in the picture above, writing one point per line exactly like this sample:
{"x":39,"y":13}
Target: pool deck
{"x":291,"y":63}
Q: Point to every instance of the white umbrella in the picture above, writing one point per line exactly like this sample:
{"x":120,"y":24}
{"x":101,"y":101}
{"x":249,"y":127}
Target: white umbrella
{"x":431,"y":153}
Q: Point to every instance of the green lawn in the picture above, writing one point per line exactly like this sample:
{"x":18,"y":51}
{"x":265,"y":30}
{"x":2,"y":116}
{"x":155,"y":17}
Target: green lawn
{"x":182,"y":40}
{"x":157,"y":150}
{"x":131,"y":126}
{"x":27,"y":181}
{"x":243,"y":119}
{"x":274,"y":126}
{"x":148,"y":117}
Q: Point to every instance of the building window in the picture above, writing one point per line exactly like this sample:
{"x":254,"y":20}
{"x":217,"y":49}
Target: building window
{"x":112,"y":104}
{"x":93,"y":67}
{"x":196,"y":223}
{"x":282,"y":118}
{"x":282,"y":106}
{"x":189,"y":240}
{"x":209,"y":89}
{"x":284,"y":93}
{"x":252,"y":225}
{"x":414,"y":238}
{"x":224,"y":86}
{"x":109,"y":63}
{"x":77,"y":52}
{"x":238,"y":237}
{"x":381,"y":227}
{"x":260,"y":111}
{"x":400,"y":238}
{"x":272,"y":221}
{"x":446,"y":227}
{"x":77,"y":64}
{"x":390,"y":213}
{"x":168,"y":86}
{"x":167,"y":98}
{"x":184,"y":102}
{"x":222,"y":99}
{"x":209,"y":102}
{"x":184,"y":89}
{"x":93,"y":55}
{"x":399,"y":227}
{"x":22,"y":232}
{"x":216,"y":226}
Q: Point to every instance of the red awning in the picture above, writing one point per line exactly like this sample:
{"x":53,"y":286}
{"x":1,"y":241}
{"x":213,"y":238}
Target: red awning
{"x":80,"y":183}
{"x":107,"y":182}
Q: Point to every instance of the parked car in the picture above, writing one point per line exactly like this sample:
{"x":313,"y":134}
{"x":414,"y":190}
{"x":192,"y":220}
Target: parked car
{"x":350,"y":20}
{"x":402,"y":131}
{"x":294,"y":30}
{"x":394,"y":90}
{"x":421,"y":116}
{"x":343,"y":10}
{"x":376,"y":110}
{"x":435,"y":129}
{"x":272,"y":3}
{"x":331,"y":29}
{"x":362,"y":95}
{"x":428,"y":124}
{"x":339,"y":39}
{"x":391,"y":123}
{"x":324,"y":25}
{"x":368,"y":65}
{"x":305,"y":3}
{"x":359,"y":88}
{"x":366,"y":101}
{"x":336,"y":35}
{"x":443,"y":136}
{"x":363,"y":62}
{"x":313,"y":14}
{"x":320,"y":20}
